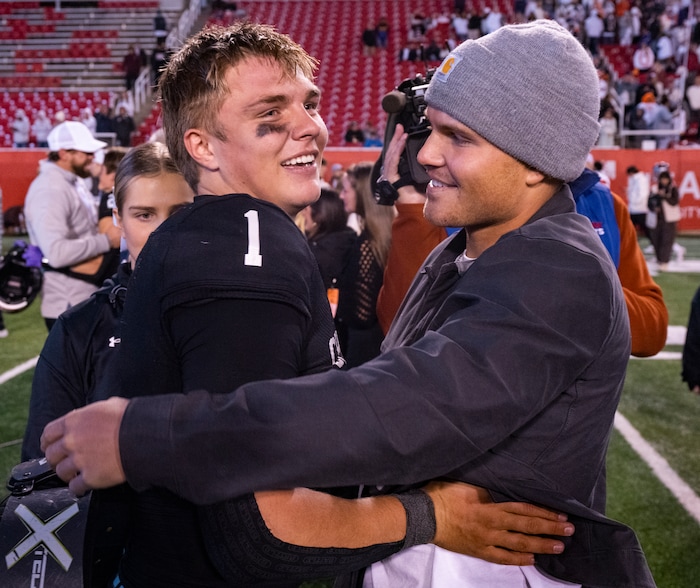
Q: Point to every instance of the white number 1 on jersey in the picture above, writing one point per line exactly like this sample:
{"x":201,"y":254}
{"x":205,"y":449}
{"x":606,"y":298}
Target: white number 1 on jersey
{"x":253,"y":256}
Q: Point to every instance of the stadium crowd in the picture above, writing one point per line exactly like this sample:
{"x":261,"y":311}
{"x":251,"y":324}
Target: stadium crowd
{"x":646,"y":54}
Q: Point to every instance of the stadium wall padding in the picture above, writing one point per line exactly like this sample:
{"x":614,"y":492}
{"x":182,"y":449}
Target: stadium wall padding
{"x":18,"y":167}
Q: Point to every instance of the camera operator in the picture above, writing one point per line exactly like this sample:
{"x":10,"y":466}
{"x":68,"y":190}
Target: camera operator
{"x":412,"y":235}
{"x":398,"y":179}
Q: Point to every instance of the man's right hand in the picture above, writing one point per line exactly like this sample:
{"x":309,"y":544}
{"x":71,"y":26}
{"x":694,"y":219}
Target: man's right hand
{"x":83,"y":446}
{"x":408,"y":194}
{"x":510,"y":533}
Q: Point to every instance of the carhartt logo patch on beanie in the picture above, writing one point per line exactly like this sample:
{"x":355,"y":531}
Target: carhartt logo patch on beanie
{"x":530,"y":89}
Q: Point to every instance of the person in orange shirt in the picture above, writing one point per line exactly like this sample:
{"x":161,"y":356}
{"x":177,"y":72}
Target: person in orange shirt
{"x":412,"y":236}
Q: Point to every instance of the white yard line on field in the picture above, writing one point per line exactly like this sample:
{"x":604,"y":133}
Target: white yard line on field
{"x":17,"y":370}
{"x":665,"y":355}
{"x":669,"y":478}
{"x":10,"y":443}
{"x":7,"y":376}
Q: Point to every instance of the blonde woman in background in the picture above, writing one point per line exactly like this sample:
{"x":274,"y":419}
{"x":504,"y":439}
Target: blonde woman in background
{"x":359,"y":331}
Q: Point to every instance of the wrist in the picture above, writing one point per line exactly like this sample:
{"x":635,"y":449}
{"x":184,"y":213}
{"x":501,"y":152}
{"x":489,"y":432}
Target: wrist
{"x":420,"y":517}
{"x":386,"y":192}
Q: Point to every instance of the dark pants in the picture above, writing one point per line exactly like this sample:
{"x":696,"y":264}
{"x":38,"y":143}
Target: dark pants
{"x":663,"y":237}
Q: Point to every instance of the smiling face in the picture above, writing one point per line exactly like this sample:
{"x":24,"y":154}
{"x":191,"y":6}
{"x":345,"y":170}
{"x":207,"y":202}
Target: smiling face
{"x":148,"y":201}
{"x":476,"y":185}
{"x":269,"y":139}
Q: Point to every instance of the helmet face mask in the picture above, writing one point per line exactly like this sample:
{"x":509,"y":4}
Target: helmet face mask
{"x":20,"y":282}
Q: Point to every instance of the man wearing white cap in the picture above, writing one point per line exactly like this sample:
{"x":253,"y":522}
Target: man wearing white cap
{"x":62,"y":220}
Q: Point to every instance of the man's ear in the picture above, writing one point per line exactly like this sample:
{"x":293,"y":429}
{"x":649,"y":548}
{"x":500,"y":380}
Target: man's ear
{"x":198,"y":146}
{"x":534,"y":177}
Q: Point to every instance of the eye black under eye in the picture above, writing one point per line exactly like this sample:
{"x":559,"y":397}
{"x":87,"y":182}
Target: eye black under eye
{"x":266,"y":129}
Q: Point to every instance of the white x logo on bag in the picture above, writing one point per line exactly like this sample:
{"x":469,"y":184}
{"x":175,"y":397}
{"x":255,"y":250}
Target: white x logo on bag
{"x":42,"y":533}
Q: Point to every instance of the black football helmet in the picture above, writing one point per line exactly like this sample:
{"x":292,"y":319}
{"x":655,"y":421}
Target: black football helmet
{"x":20,"y":277}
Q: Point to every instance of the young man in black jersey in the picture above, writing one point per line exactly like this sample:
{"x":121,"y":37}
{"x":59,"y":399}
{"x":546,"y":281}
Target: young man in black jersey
{"x":231,"y":282}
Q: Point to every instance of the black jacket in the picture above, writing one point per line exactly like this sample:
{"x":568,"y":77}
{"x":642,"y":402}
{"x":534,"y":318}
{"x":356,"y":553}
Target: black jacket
{"x":77,"y":359}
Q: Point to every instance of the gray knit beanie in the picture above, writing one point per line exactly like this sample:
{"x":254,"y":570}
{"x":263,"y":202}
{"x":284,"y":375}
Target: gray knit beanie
{"x":529,"y":89}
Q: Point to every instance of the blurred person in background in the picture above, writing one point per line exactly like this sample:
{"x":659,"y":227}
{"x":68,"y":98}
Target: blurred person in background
{"x":103,"y":118}
{"x":160,"y":25}
{"x":124,"y":127}
{"x":106,"y":199}
{"x":369,"y":40}
{"x":638,"y":189}
{"x":358,"y":328}
{"x":41,"y":127}
{"x":691,"y":348}
{"x":87,"y":118}
{"x":330,"y":239}
{"x":664,"y":202}
{"x":131,"y":64}
{"x":354,"y":135}
{"x":336,"y":179}
{"x":61,"y":217}
{"x":608,"y":129}
{"x":20,"y":129}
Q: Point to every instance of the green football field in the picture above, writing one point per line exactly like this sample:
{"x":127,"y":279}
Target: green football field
{"x":655,"y":403}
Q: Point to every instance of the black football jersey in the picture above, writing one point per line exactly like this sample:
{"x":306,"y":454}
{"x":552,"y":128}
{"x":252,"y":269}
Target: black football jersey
{"x":226,"y":291}
{"x":237,"y":253}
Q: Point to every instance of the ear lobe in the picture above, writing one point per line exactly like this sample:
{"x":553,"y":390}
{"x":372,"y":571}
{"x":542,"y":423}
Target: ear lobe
{"x":198,"y":146}
{"x":534,"y":177}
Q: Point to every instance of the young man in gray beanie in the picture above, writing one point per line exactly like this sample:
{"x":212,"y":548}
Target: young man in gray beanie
{"x":503,"y":367}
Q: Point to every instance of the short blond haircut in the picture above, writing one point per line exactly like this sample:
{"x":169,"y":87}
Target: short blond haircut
{"x":192,"y":87}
